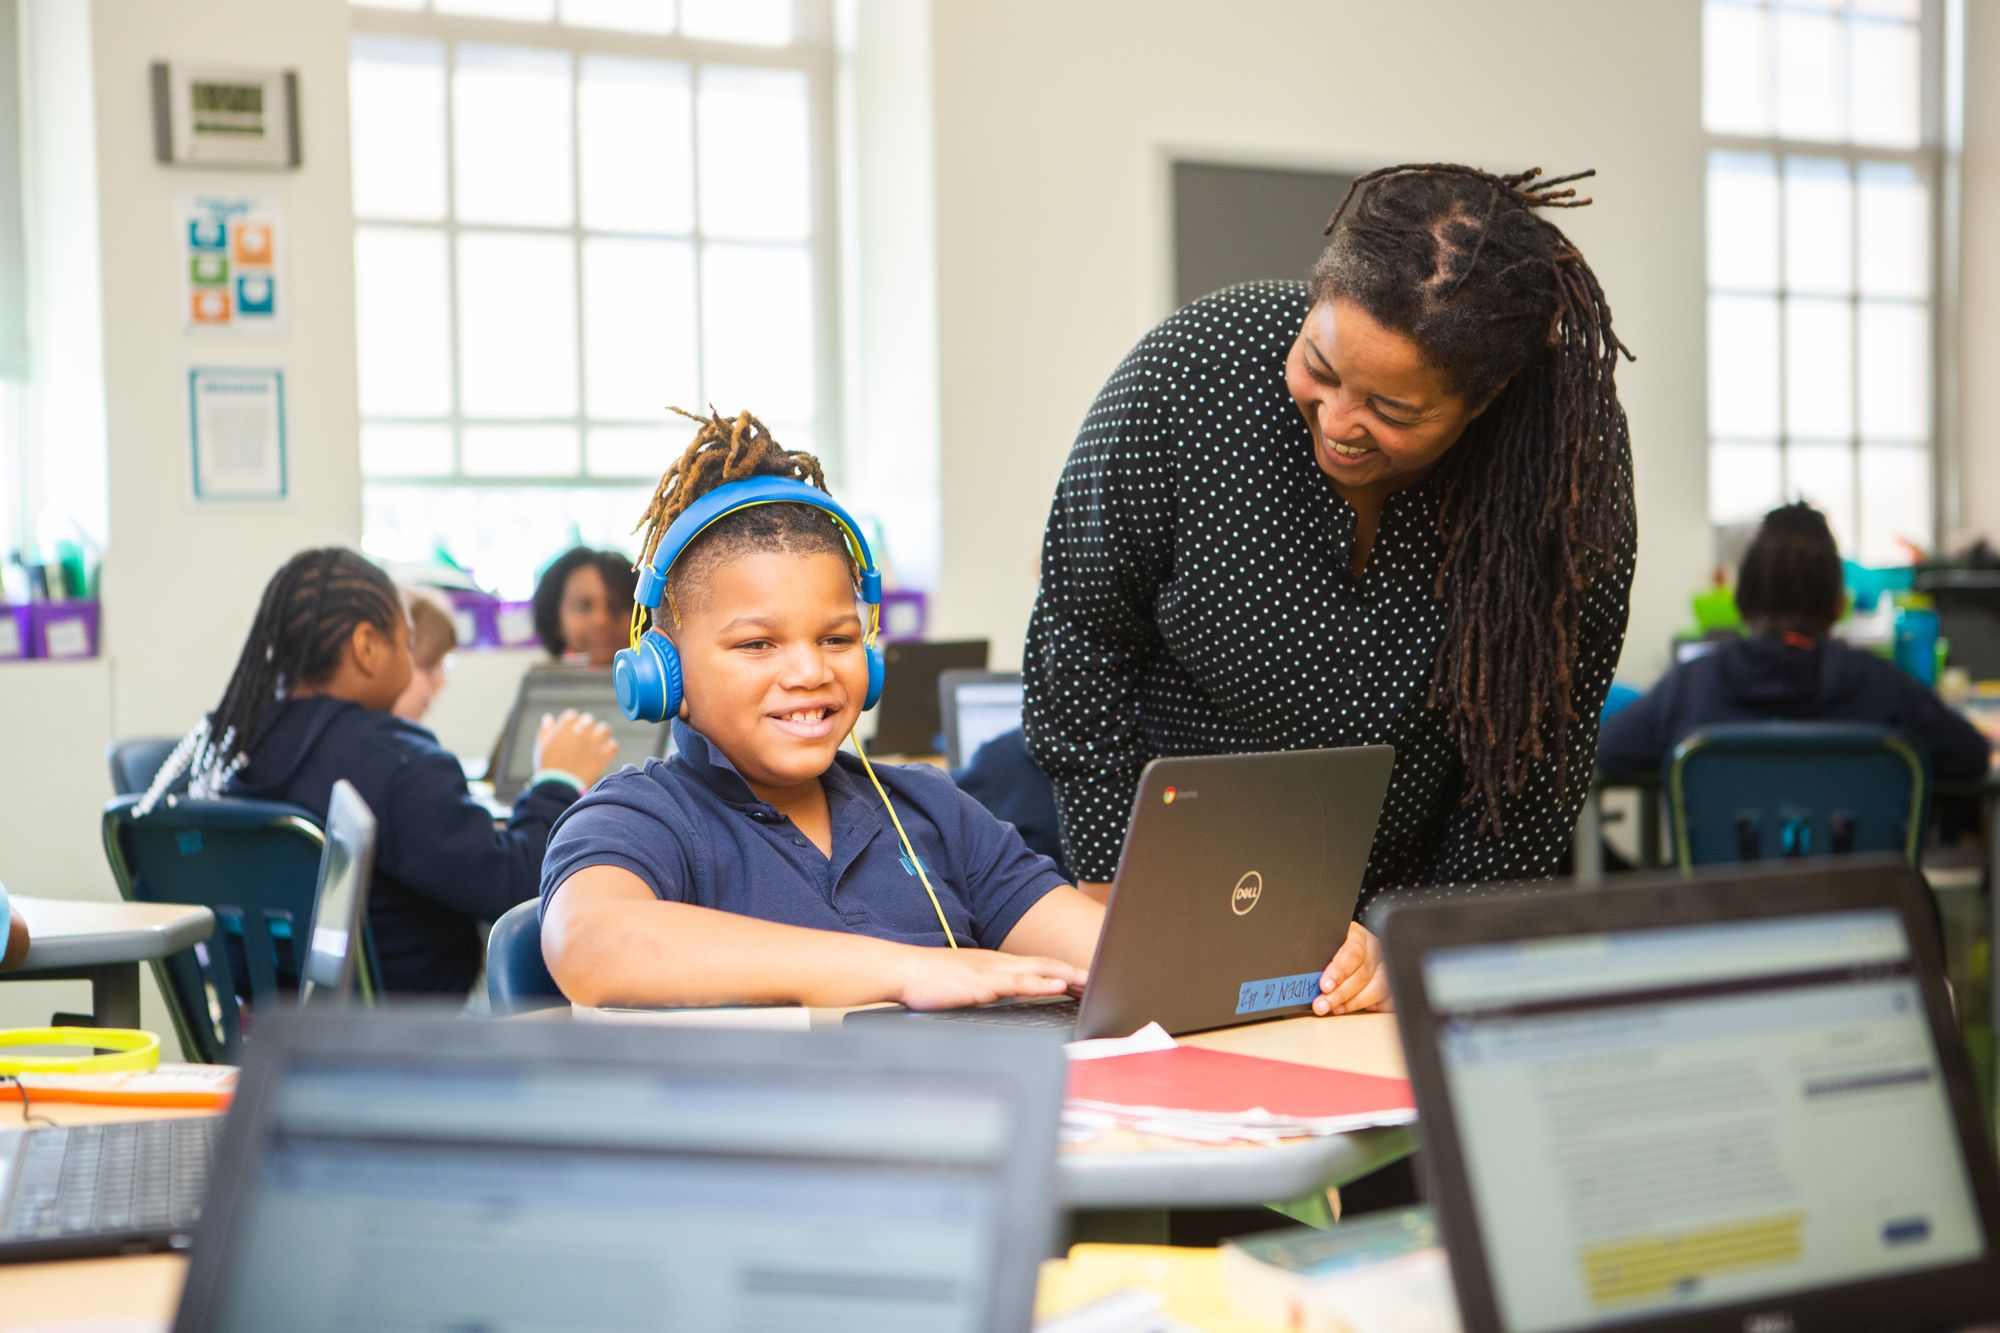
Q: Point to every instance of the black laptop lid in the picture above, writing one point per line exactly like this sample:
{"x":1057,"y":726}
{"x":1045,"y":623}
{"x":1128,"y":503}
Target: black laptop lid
{"x":1737,"y":1102}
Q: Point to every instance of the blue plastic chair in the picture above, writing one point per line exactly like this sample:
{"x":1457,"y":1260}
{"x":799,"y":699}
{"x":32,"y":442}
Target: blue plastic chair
{"x":134,"y":762}
{"x":1757,"y":791}
{"x":517,"y":980}
{"x":255,"y":864}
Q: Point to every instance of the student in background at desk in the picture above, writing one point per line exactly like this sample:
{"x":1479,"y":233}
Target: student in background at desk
{"x":583,"y":606}
{"x":309,"y":703}
{"x":758,"y":863}
{"x":13,"y":933}
{"x":1005,"y":779}
{"x":1789,"y":667}
{"x":432,"y":638}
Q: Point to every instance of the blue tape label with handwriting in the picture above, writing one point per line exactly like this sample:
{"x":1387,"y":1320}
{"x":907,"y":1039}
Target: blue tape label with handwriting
{"x":1254,"y":997}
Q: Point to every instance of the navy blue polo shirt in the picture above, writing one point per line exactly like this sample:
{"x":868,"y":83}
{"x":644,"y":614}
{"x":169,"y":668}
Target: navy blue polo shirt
{"x":691,"y":828}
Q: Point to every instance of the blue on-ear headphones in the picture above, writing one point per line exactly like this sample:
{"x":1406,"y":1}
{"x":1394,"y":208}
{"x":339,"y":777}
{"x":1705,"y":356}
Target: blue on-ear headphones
{"x":647,"y":675}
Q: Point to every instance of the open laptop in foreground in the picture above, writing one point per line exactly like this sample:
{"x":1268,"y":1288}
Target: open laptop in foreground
{"x":1235,"y":887}
{"x":388,"y":1170}
{"x":545,"y":691}
{"x":136,"y":1185}
{"x":1737,"y":1102}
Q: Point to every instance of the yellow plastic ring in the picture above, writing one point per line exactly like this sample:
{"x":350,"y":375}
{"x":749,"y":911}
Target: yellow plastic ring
{"x":125,"y":1049}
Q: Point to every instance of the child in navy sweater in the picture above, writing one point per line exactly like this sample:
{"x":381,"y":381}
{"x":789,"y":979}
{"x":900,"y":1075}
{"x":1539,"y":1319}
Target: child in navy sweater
{"x":1789,"y":667}
{"x":759,"y":863}
{"x":310,"y":702}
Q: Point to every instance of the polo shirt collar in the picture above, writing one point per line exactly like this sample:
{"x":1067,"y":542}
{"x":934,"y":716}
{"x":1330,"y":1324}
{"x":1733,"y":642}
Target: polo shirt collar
{"x":712,"y":768}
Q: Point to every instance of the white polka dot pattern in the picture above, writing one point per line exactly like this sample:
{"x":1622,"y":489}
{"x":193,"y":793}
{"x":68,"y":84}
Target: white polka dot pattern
{"x":1196,"y":598}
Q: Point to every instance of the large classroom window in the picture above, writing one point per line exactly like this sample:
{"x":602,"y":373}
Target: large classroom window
{"x":1823,"y":186}
{"x":570,"y":214}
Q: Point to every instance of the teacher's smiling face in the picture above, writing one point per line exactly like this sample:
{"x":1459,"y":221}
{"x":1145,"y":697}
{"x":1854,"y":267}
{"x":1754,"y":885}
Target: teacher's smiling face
{"x":1381,"y":415}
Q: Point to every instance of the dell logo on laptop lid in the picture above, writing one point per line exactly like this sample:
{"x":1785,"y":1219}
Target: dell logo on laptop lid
{"x":1772,"y":1321}
{"x":1246,"y":893}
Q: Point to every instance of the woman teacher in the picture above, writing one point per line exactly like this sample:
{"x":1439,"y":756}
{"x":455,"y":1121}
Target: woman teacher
{"x":1391,"y":504}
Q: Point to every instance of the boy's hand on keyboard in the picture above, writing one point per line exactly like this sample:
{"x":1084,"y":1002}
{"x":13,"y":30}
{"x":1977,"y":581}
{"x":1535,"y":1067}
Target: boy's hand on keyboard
{"x":577,"y":744}
{"x":954,"y":978}
{"x":1355,"y":979}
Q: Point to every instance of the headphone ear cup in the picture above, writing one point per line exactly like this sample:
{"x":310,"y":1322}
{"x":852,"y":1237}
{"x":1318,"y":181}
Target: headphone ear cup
{"x":877,"y":671}
{"x":648,"y":679}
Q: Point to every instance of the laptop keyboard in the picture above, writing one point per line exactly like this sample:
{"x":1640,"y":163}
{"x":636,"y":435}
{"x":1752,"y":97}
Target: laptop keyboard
{"x":1034,"y":1014}
{"x":138,"y":1175}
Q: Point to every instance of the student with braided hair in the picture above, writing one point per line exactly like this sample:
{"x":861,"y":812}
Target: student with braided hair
{"x":1390,"y":504}
{"x":310,"y":703}
{"x":758,"y":863}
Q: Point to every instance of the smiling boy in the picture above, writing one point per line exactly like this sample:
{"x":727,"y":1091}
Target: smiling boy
{"x":759,"y":864}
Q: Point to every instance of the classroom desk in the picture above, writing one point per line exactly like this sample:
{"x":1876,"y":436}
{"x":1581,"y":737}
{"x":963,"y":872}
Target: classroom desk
{"x":1121,"y":1170}
{"x":104,"y":943}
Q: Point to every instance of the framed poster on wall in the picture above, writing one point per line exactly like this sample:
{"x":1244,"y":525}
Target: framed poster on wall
{"x":236,"y":430}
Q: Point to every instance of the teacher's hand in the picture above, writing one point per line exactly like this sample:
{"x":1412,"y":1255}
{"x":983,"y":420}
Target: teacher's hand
{"x":1355,"y":979}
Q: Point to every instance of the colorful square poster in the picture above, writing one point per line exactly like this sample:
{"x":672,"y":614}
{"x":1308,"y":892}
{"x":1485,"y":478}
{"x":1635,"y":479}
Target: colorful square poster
{"x":231,"y":276}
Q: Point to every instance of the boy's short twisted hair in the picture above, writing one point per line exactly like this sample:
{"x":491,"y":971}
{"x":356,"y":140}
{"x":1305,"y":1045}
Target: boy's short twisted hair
{"x":735,"y":450}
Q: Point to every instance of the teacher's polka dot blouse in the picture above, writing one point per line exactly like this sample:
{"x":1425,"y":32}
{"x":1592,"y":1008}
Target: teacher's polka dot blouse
{"x":1196,"y":599}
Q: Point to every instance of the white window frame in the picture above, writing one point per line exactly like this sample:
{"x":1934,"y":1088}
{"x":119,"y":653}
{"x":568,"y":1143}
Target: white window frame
{"x":1928,"y":160}
{"x":812,"y":52}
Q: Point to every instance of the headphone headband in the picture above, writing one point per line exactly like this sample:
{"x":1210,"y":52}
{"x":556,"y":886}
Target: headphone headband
{"x":124,"y":1049}
{"x":732,"y":496}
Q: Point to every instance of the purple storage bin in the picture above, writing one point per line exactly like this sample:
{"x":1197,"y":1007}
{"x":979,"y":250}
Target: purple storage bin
{"x":475,"y":615}
{"x":17,"y":635}
{"x":514,"y":625}
{"x":62,"y":630}
{"x":905,"y":614}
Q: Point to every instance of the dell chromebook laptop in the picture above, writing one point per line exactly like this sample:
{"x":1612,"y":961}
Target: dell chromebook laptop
{"x":1737,"y":1102}
{"x":382,"y":1170}
{"x":1238,"y":879}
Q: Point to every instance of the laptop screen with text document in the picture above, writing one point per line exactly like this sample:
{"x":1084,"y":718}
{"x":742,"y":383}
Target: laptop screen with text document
{"x":1699,"y":1115}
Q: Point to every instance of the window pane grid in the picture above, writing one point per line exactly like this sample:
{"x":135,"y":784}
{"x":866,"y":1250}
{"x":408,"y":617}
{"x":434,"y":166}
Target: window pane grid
{"x":609,"y":431}
{"x":1820,"y":266}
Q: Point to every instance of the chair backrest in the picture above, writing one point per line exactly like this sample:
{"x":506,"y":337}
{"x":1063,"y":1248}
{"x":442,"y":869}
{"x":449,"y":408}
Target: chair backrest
{"x":135,"y":761}
{"x":255,"y":864}
{"x":516,"y":977}
{"x":1769,"y":790}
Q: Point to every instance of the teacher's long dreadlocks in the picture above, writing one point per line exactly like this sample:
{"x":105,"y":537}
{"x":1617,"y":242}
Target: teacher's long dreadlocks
{"x":1536,"y":496}
{"x":309,"y":609}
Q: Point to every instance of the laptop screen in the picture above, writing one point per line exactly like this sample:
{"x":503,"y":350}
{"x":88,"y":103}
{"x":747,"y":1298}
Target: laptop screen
{"x":1670,"y":1119}
{"x":548,"y":693}
{"x":395,"y":1194}
{"x":344,"y":866}
{"x":982,"y":710}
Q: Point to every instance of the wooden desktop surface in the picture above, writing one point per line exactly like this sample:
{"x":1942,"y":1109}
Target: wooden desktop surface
{"x":107,"y":1294}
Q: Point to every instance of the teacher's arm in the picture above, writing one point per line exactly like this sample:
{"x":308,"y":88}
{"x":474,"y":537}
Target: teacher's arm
{"x":1106,"y":553}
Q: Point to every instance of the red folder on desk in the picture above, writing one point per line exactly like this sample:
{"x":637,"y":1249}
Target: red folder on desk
{"x":1194,"y":1082}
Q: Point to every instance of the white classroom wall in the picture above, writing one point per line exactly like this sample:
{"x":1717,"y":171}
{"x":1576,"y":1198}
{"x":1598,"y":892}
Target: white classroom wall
{"x":1055,"y":123}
